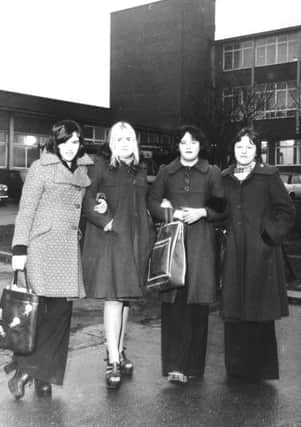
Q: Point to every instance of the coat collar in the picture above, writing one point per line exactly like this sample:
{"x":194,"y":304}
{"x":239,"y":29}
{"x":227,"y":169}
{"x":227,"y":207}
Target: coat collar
{"x":259,"y":169}
{"x":201,"y":166}
{"x":78,"y":178}
{"x":50,"y":159}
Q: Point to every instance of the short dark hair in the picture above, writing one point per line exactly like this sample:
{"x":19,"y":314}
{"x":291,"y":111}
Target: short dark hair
{"x":61,"y":131}
{"x":198,"y":135}
{"x":254,"y":137}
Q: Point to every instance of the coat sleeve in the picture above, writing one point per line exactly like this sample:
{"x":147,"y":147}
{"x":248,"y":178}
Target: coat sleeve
{"x":216,"y":203}
{"x":31,"y":195}
{"x":100,"y":220}
{"x":155,"y":196}
{"x":282,"y":218}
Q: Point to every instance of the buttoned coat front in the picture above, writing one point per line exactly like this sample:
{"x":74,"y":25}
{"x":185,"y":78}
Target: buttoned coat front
{"x":192,"y":187}
{"x":260,"y":214}
{"x":115,"y":262}
{"x":47,"y":223}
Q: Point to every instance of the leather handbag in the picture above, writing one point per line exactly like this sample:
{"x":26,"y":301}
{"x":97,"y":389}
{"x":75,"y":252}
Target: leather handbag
{"x":167,"y":264}
{"x":19,"y":317}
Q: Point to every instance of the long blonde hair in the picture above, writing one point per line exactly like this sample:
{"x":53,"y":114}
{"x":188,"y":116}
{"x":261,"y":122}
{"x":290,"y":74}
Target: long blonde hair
{"x":112,"y":139}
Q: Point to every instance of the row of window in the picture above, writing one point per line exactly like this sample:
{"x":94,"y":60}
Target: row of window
{"x":268,"y":51}
{"x":26,"y":148}
{"x":285,"y":152}
{"x":272,"y":100}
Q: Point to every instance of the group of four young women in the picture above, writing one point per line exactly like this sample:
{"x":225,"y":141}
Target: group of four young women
{"x":248,"y":198}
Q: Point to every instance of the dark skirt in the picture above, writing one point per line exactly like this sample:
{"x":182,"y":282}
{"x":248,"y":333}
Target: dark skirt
{"x":48,"y":361}
{"x":184,"y":336}
{"x":251,"y":350}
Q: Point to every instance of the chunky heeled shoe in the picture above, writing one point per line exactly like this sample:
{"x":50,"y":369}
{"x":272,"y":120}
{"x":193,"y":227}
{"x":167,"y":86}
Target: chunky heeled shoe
{"x":126,"y":365}
{"x":177,"y":377}
{"x":17,"y":383}
{"x":42,"y":388}
{"x":113,"y":376}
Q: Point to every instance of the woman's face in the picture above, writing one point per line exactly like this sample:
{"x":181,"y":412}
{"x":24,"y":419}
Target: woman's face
{"x":68,"y":150}
{"x":189,"y":148}
{"x":244,"y":151}
{"x":125,"y":144}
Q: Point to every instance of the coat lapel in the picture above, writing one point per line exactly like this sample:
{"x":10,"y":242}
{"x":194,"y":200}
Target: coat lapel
{"x":63,"y":175}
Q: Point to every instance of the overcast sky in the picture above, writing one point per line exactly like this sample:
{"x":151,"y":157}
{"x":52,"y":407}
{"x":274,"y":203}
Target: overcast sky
{"x":46,"y":46}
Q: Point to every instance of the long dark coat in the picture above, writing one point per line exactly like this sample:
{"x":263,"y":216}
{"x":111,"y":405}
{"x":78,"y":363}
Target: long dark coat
{"x":192,"y":187}
{"x":114,"y":262}
{"x":260,"y":216}
{"x":47,"y":223}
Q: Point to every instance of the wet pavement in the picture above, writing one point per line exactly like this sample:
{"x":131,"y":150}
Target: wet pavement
{"x":148,"y":399}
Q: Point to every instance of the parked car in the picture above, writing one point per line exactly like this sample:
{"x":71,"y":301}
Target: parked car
{"x":292,"y":182}
{"x":3,"y":192}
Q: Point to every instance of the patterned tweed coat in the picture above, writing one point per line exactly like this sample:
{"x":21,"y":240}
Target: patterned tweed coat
{"x":47,"y":223}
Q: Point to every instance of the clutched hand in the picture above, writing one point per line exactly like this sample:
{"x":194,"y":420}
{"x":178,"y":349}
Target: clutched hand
{"x":108,"y":226}
{"x":191,"y":215}
{"x":19,"y":262}
{"x":101,"y":207}
{"x":178,"y":214}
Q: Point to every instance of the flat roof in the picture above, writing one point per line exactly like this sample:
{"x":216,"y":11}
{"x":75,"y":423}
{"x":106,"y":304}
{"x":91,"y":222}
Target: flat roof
{"x":261,"y":34}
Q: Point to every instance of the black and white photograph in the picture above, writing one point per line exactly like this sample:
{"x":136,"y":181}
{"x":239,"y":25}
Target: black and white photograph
{"x":150,"y":213}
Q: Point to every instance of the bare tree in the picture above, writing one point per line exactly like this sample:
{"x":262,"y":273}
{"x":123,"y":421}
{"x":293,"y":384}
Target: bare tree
{"x":226,"y":109}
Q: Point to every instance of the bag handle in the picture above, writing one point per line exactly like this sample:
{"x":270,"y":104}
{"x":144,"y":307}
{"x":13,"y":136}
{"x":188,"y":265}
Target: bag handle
{"x":15,"y":279}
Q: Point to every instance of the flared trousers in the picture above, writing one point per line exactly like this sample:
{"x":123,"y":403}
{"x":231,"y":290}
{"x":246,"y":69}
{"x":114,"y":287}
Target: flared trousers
{"x":184,"y":331}
{"x":48,"y":361}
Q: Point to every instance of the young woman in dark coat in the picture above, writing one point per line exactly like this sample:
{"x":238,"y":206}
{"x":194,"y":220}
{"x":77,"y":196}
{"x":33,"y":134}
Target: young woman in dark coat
{"x":260,"y":214}
{"x":195,"y":192}
{"x":118,"y":241}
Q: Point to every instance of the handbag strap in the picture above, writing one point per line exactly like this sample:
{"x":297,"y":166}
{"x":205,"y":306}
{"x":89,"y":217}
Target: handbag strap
{"x":15,"y":279}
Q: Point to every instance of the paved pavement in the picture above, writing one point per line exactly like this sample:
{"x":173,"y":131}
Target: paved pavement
{"x":148,"y":399}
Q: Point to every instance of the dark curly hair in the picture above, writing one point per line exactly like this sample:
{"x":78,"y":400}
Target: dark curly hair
{"x":61,"y":131}
{"x":198,"y":135}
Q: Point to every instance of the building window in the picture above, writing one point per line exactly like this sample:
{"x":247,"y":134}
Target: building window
{"x":3,"y":148}
{"x":287,"y":152}
{"x":279,"y":100}
{"x":95,"y":134}
{"x":26,"y":149}
{"x":277,"y":49}
{"x":233,"y":100}
{"x":265,"y":151}
{"x":237,"y":55}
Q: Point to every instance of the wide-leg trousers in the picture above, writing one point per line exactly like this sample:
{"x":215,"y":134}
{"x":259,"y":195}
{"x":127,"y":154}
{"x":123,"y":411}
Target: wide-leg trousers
{"x":184,"y":331}
{"x":48,"y":361}
{"x":251,"y":350}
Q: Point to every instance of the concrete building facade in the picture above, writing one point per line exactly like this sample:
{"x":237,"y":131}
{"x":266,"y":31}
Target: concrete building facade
{"x":265,"y":68}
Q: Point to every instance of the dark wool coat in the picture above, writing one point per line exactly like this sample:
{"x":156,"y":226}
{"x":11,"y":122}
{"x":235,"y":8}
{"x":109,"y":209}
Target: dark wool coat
{"x":114,"y":262}
{"x":192,"y":187}
{"x":260,"y":216}
{"x":47,"y":223}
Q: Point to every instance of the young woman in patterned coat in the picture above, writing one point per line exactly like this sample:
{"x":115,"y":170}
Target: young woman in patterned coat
{"x":46,"y":243}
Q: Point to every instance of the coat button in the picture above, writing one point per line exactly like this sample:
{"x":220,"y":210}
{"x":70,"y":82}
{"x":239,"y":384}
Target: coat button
{"x":73,"y":227}
{"x":77,"y":205}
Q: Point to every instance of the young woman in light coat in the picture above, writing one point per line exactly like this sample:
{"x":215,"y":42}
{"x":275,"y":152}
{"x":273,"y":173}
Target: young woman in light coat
{"x":46,"y":243}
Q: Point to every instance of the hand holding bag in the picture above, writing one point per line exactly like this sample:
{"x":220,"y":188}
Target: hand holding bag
{"x":19,"y":318}
{"x":167,"y":264}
